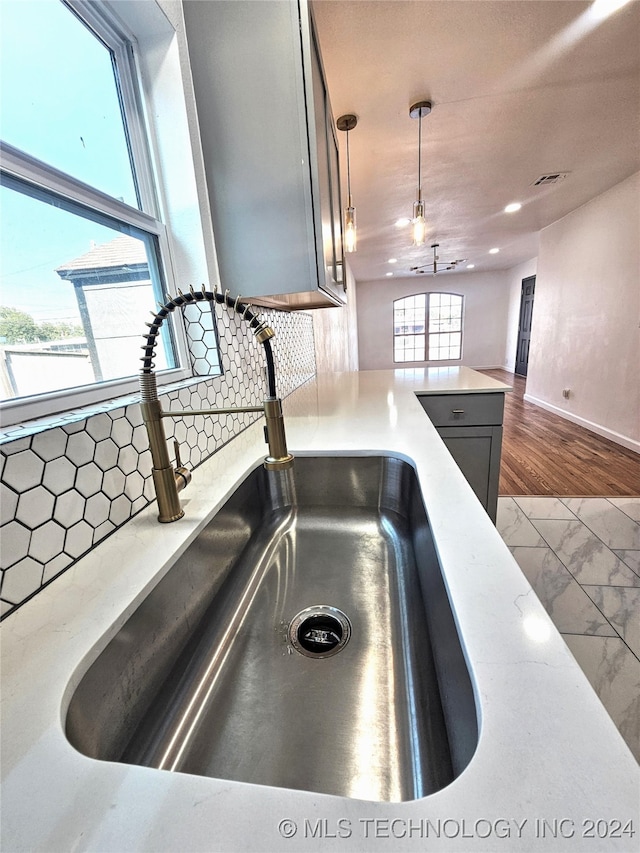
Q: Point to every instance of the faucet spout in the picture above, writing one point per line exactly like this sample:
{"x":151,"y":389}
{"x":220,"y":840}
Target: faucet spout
{"x":167,"y":479}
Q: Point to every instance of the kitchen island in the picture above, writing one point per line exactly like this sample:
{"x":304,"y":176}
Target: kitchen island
{"x":467,"y":409}
{"x":550,"y":772}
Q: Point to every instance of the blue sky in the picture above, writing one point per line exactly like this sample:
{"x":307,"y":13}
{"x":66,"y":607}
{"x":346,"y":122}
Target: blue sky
{"x":58,"y":103}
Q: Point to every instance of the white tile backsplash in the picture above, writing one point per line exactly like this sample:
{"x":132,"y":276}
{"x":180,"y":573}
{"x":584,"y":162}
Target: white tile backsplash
{"x":69,"y":482}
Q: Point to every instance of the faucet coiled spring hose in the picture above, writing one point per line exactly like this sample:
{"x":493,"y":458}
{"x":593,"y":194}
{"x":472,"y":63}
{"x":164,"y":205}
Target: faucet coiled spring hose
{"x":259,"y":328}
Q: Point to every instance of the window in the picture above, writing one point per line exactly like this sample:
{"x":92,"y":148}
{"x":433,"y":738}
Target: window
{"x":409,"y":325}
{"x":427,"y":322}
{"x":61,"y":96}
{"x":84,"y":254}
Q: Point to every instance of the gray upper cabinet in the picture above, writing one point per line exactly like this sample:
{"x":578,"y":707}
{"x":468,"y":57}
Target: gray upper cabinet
{"x":270,"y":150}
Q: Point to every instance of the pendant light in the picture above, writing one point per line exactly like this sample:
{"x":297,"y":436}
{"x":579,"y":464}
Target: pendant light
{"x":418,"y":224}
{"x":433,"y":265}
{"x":347,"y":123}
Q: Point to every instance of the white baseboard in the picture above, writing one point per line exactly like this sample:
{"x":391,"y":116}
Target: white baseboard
{"x":489,"y":367}
{"x":624,"y":440}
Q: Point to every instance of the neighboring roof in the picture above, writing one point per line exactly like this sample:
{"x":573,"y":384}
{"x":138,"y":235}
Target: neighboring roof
{"x":123,"y":251}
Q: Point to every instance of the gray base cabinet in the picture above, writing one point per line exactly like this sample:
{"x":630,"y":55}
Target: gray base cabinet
{"x":471,"y":427}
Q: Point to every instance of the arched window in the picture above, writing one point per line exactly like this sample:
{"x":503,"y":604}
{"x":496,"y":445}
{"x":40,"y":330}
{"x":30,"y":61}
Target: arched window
{"x":427,"y":327}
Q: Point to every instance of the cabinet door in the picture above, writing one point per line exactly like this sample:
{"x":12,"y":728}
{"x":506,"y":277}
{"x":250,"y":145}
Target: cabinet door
{"x":263,"y":112}
{"x":328,"y":194}
{"x":336,"y":202}
{"x":324,"y":175}
{"x":476,"y":450}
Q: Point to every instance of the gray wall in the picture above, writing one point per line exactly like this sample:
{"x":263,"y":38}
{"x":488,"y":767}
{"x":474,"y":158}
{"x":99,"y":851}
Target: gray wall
{"x":586,"y":315}
{"x":486,"y":311}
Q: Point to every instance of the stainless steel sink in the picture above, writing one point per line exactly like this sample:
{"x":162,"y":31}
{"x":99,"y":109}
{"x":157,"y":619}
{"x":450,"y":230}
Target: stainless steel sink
{"x":304,"y":640}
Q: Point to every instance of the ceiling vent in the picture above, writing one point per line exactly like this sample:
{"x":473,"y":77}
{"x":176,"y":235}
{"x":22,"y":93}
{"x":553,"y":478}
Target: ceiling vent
{"x":551,"y":178}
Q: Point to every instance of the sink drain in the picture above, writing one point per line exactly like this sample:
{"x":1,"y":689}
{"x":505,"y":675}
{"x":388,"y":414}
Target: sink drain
{"x":319,"y":631}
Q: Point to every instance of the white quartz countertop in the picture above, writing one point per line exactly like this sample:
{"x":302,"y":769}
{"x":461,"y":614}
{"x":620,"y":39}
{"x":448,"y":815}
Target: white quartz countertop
{"x":452,"y":380}
{"x":550,"y":772}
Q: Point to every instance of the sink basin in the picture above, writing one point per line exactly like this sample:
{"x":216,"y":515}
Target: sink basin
{"x":303,"y":640}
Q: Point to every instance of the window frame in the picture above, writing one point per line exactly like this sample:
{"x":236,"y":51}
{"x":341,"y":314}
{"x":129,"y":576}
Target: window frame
{"x":426,"y":334}
{"x":46,"y":179}
{"x":100,"y":19}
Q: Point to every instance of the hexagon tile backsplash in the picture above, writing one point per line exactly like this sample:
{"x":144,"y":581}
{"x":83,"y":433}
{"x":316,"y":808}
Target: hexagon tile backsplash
{"x":72,"y":480}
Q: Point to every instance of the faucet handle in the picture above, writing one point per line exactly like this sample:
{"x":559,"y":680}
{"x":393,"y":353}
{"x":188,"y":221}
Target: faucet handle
{"x":181,"y":474}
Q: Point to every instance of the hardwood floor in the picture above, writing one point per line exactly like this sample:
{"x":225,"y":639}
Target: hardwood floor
{"x":544,"y":454}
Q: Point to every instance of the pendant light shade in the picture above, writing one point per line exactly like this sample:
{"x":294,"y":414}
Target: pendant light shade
{"x":347,"y":123}
{"x":350,"y":233}
{"x":418,"y":222}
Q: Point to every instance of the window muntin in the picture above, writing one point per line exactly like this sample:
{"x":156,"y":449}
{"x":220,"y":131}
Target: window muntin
{"x":408,"y":328}
{"x":61,"y":98}
{"x":56,"y":188}
{"x":445,"y":326}
{"x":427,"y":322}
{"x":82,"y":287}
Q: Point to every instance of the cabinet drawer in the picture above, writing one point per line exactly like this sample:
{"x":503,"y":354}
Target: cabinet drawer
{"x":463,"y":409}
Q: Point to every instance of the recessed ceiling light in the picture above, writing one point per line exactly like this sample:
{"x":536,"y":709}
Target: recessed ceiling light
{"x":401,"y":223}
{"x":388,"y":273}
{"x":493,"y":251}
{"x":513,"y":207}
{"x":392,"y":261}
{"x":470,"y":266}
{"x":603,"y":8}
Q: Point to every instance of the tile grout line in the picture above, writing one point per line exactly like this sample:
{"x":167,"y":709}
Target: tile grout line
{"x":531,"y":520}
{"x":566,"y":568}
{"x":602,"y":637}
{"x":595,"y":535}
{"x":607,"y":618}
{"x":563,"y":500}
{"x":553,"y":497}
{"x":604,"y":616}
{"x":580,"y":586}
{"x":623,"y":649}
{"x":631,"y":497}
{"x":610,"y":547}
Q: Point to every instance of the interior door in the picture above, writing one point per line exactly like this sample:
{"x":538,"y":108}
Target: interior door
{"x":524,"y":328}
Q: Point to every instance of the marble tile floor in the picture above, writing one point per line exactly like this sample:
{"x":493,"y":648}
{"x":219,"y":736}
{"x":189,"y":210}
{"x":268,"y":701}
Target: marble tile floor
{"x":582,"y":558}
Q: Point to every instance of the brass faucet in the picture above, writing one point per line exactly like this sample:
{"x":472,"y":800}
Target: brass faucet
{"x":168,"y":480}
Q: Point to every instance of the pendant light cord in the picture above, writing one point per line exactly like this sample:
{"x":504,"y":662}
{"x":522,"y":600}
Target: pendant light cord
{"x":348,"y":172}
{"x":419,"y":156}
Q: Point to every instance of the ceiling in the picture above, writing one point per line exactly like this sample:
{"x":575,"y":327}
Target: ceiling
{"x":520,"y":89}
